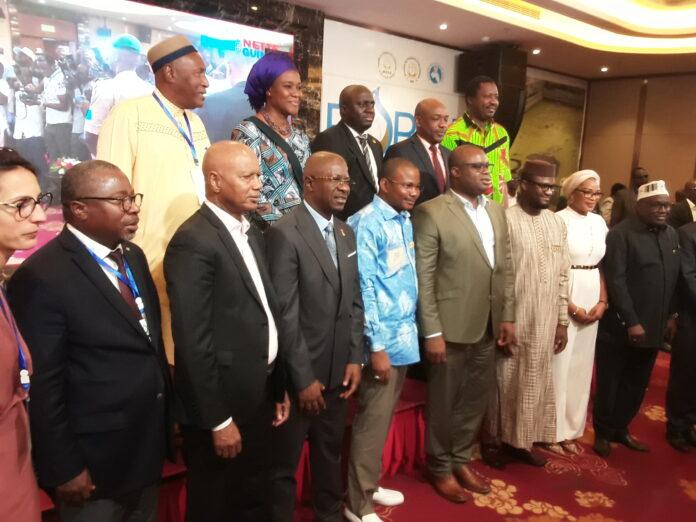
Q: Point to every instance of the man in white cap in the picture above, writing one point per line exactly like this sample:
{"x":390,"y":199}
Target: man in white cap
{"x":159,"y":142}
{"x":641,"y":268}
{"x":108,"y":93}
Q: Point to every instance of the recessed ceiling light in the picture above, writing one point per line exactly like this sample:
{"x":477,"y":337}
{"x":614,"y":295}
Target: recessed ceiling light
{"x":443,"y":27}
{"x":254,"y":7}
{"x":485,"y":38}
{"x":604,"y":68}
{"x":536,"y":51}
{"x":124,"y":18}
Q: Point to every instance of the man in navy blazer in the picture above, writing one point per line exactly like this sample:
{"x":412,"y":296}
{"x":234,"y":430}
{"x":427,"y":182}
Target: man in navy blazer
{"x":423,"y":149}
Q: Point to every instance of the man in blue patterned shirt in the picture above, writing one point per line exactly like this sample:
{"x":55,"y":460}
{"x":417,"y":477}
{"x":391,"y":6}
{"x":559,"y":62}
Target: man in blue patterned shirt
{"x":387,"y":267}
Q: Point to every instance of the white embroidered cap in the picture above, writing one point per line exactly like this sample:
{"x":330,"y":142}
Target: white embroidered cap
{"x":653,"y":188}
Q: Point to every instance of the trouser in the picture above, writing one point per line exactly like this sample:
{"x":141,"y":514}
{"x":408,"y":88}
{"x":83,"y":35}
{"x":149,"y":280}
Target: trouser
{"x":376,"y":403}
{"x":325,"y":434}
{"x":681,"y":390}
{"x":622,"y":376}
{"x":57,"y":136}
{"x":458,"y":394}
{"x":229,"y":489}
{"x":137,"y":506}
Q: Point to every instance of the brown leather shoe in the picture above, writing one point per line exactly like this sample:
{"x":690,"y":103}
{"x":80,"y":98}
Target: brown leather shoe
{"x":448,"y":488}
{"x":471,"y":480}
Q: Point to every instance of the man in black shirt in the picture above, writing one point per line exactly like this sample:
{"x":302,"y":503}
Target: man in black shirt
{"x":641,"y":268}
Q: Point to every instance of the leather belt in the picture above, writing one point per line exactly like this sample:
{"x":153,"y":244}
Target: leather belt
{"x":584,"y":267}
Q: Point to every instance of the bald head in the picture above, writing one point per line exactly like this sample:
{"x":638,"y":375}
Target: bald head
{"x":357,"y":107}
{"x":232,"y":173}
{"x":224,"y":155}
{"x":467,"y":153}
{"x":469,"y":174}
{"x":432,"y":120}
{"x":326,"y":183}
{"x":320,"y":163}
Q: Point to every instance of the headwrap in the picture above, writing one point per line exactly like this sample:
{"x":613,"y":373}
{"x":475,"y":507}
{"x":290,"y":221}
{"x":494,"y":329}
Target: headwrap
{"x":169,"y":50}
{"x":264,"y":73}
{"x":654,"y":188}
{"x":576,"y":179}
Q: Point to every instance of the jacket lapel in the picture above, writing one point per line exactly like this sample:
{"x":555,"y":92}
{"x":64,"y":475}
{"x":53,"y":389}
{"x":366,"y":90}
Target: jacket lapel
{"x":86,"y":263}
{"x":357,"y":152}
{"x":457,"y":209}
{"x":422,"y":155}
{"x":309,"y":231}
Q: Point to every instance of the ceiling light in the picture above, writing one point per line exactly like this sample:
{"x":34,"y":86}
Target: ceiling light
{"x":443,"y":27}
{"x":124,"y":18}
{"x":536,"y":51}
{"x":604,"y":68}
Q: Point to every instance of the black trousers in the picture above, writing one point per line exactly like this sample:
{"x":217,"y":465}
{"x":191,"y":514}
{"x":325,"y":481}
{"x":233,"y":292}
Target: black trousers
{"x":681,"y":390}
{"x":623,"y":373}
{"x":325,"y":433}
{"x":229,"y":489}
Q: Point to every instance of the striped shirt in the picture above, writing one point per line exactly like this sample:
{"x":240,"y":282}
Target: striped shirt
{"x":464,"y":129}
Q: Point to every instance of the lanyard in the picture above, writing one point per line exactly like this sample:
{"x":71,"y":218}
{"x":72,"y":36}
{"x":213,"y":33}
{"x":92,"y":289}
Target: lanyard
{"x":188,"y":137}
{"x":129,"y":281}
{"x":23,"y":367}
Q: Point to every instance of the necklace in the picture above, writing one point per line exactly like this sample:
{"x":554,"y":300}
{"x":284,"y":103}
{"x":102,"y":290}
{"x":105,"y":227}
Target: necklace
{"x":284,"y":130}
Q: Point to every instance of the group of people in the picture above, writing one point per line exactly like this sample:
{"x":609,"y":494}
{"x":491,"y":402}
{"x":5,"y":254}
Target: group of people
{"x":281,"y":277}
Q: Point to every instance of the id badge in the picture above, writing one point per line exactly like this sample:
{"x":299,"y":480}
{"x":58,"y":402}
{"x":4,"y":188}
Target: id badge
{"x":198,"y":183}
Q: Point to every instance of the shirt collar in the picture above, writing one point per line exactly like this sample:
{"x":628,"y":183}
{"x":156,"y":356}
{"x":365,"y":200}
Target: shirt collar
{"x":174,"y":109}
{"x":482,"y":200}
{"x":427,"y":144}
{"x":101,"y":251}
{"x":471,"y":121}
{"x":320,"y":220}
{"x":388,"y":212}
{"x":355,"y":133}
{"x":232,"y":224}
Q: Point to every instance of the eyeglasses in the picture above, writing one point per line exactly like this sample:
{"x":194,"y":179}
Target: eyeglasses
{"x":25,"y":206}
{"x":407,"y":186}
{"x":126,"y":202}
{"x":335,"y":180}
{"x":545,"y":187}
{"x":589,"y":194}
{"x":478,"y":166}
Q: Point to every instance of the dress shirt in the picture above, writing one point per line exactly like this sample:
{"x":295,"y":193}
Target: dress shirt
{"x":238,"y":231}
{"x":101,"y":251}
{"x":427,"y":146}
{"x":387,"y":270}
{"x":482,"y":221}
{"x":692,"y":207}
{"x":373,"y":163}
{"x":54,"y":87}
{"x":320,"y":220}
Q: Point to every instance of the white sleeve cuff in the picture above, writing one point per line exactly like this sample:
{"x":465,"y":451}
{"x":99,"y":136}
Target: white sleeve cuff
{"x":433,"y":335}
{"x":223,"y":425}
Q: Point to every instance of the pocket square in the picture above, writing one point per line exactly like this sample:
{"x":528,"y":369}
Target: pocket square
{"x":352,"y":253}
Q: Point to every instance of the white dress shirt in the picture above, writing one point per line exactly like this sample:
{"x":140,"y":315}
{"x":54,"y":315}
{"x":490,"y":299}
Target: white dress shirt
{"x":373,"y":163}
{"x":427,"y":146}
{"x":482,"y":221}
{"x":54,"y":87}
{"x":693,"y":208}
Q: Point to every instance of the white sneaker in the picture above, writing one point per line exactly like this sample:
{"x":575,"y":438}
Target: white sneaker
{"x":387,"y":497}
{"x":372,"y":517}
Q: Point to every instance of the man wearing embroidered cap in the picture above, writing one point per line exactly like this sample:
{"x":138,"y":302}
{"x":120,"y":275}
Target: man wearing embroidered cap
{"x":641,"y":268}
{"x":159,"y":143}
{"x":108,"y":93}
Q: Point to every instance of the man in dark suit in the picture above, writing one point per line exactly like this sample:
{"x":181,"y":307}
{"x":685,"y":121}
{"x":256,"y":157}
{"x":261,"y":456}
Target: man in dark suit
{"x":87,"y":306}
{"x":423,"y":149}
{"x":361,"y":151}
{"x":229,"y":376}
{"x":683,"y":211}
{"x":625,"y":199}
{"x":314,"y":267}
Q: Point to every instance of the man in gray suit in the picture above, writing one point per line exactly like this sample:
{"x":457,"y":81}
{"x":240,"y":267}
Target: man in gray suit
{"x":423,"y":149}
{"x":313,"y":262}
{"x":466,"y":302}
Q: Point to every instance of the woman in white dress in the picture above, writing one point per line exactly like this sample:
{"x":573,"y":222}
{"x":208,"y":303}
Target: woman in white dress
{"x":572,"y":368}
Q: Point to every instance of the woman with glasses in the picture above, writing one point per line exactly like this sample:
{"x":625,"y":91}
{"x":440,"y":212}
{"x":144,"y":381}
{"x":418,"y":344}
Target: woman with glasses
{"x":572,"y":368}
{"x":274,"y":88}
{"x":22,"y":209}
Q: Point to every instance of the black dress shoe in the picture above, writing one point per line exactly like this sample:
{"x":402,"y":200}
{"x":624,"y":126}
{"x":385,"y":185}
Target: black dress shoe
{"x":690,"y":436}
{"x":526,"y":456}
{"x":679,"y":443}
{"x":632,"y":443}
{"x":602,"y":447}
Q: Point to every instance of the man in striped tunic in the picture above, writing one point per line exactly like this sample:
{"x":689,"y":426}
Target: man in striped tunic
{"x":476,"y":126}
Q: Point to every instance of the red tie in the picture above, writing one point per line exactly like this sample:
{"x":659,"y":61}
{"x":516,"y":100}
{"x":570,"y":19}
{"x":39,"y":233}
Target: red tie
{"x":439,"y":175}
{"x":125,"y":290}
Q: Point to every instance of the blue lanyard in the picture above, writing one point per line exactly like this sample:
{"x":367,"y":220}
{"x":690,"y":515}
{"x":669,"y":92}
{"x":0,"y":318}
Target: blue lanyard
{"x":129,"y":281}
{"x":188,"y":137}
{"x":24,"y":379}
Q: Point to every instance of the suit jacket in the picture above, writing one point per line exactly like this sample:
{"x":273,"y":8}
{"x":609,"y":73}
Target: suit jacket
{"x":681,"y":214}
{"x":338,"y":139}
{"x":100,"y":389}
{"x":413,"y":150}
{"x":219,"y":324}
{"x":322,"y":306}
{"x":641,"y":268}
{"x":459,"y":292}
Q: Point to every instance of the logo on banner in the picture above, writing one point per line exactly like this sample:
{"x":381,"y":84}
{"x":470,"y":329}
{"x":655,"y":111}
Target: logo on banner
{"x":412,"y":69}
{"x":386,"y":65}
{"x":435,"y":73}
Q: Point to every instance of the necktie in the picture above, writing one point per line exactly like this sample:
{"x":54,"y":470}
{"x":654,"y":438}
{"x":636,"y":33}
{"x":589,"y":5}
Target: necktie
{"x":439,"y":175}
{"x":125,"y":290}
{"x":331,"y":242}
{"x":368,"y":159}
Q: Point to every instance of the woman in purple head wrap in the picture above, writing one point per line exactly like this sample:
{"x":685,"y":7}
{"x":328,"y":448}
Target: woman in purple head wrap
{"x":274,"y":89}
